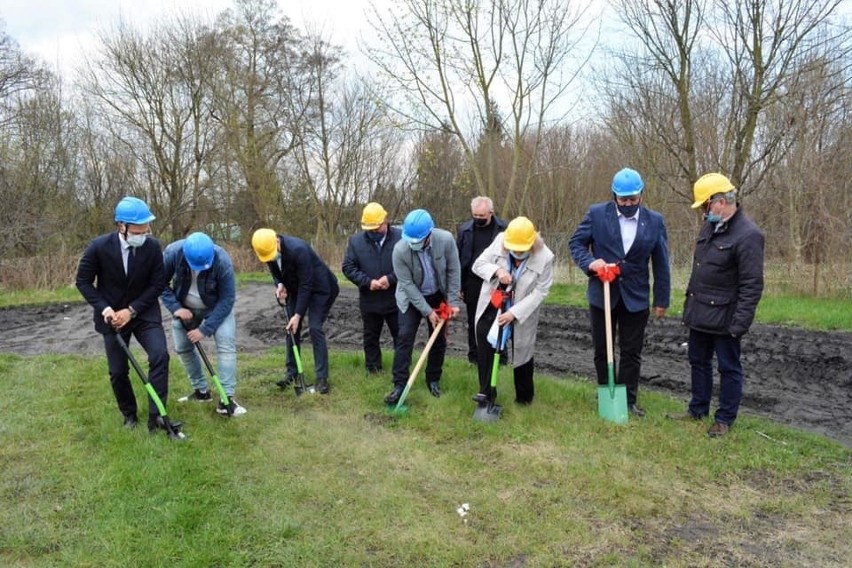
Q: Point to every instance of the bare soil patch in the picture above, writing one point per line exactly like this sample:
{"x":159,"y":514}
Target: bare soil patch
{"x":797,"y":377}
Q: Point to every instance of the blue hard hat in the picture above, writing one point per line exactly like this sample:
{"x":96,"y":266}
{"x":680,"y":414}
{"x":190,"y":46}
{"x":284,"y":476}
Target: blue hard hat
{"x":417,"y":226}
{"x":198,"y":251}
{"x":627,"y":182}
{"x":134,"y":211}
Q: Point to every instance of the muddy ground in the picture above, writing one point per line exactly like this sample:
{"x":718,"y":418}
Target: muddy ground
{"x":797,"y":377}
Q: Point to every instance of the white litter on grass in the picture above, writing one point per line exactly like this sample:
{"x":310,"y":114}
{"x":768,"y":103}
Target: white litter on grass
{"x":463,"y":510}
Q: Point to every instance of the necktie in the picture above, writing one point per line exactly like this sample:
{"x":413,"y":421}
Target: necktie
{"x":131,"y":254}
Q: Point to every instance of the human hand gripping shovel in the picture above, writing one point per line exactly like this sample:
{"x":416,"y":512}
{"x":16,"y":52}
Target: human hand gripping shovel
{"x":612,"y":398}
{"x":172,"y":429}
{"x":488,"y":411}
{"x":223,"y":396}
{"x":444,"y":313}
{"x":299,"y":385}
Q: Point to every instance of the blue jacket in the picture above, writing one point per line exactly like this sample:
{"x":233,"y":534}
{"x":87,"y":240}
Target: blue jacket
{"x":217,"y":285}
{"x":302,"y":272}
{"x":599,"y":236}
{"x":365,"y":262}
{"x":102,"y":262}
{"x":727,"y":277}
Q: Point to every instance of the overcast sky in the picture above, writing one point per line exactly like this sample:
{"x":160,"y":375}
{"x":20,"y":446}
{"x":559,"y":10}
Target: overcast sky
{"x":57,"y":31}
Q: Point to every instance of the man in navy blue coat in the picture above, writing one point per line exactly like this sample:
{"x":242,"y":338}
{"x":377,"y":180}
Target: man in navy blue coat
{"x":622,"y":231}
{"x":309,"y":288}
{"x":369,"y":265}
{"x":121,"y":276}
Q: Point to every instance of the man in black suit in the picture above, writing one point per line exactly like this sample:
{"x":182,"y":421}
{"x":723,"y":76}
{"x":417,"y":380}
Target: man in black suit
{"x":121,"y":275}
{"x":309,"y":288}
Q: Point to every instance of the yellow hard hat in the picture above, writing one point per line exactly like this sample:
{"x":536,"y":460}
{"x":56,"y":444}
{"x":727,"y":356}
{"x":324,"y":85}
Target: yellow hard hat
{"x":265,"y":244}
{"x":709,"y":185}
{"x":520,"y":235}
{"x":373,"y":216}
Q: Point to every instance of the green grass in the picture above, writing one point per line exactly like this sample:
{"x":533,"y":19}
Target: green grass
{"x":337,"y":481}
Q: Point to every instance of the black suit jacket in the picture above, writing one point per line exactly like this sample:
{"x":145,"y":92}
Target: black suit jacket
{"x":302,"y":272}
{"x":102,"y":281}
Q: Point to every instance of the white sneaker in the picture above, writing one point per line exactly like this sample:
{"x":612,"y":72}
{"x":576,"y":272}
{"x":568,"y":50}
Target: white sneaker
{"x":235,"y":408}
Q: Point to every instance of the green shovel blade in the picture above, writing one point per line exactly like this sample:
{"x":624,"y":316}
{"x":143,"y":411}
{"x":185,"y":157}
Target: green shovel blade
{"x":612,"y":400}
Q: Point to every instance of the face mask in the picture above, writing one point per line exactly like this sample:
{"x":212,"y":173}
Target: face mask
{"x":136,"y":240}
{"x":480,"y":222}
{"x":418,"y":246}
{"x":628,"y":210}
{"x":519,"y":255}
{"x":712,"y":217}
{"x":375,"y":236}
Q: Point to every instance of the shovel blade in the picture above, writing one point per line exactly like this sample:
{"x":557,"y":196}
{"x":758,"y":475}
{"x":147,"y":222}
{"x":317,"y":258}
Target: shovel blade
{"x":612,"y":405}
{"x":487,"y":413}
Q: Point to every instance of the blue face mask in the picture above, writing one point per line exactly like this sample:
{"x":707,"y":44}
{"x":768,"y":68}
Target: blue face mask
{"x":628,"y":210}
{"x":712,"y":217}
{"x":136,"y":240}
{"x":418,"y":246}
{"x":519,"y":255}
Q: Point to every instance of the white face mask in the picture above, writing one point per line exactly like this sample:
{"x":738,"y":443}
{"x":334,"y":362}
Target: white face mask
{"x":136,"y":240}
{"x":418,"y":246}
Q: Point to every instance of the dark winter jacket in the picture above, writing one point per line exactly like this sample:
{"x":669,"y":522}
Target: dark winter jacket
{"x":217,"y":285}
{"x":302,"y":272}
{"x":465,"y":244}
{"x":365,"y":262}
{"x":599,"y":236}
{"x":727,"y":277}
{"x":102,"y":281}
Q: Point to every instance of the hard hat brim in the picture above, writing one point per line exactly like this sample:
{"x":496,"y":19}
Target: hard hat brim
{"x":370,"y":226}
{"x":267,"y":257}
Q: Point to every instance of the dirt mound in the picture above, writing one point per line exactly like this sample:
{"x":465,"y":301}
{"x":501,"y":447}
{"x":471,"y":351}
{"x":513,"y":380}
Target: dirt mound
{"x":797,"y":377}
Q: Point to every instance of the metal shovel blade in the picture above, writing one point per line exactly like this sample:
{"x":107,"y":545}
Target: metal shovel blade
{"x":487,"y":413}
{"x":612,"y":404}
{"x":301,"y":388}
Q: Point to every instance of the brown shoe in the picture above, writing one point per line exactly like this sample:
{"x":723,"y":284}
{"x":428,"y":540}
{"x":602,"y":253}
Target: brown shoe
{"x":718,"y":429}
{"x":685,"y":417}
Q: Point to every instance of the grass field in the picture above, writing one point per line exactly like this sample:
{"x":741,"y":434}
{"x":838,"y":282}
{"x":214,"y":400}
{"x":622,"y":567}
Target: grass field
{"x":338,"y":481}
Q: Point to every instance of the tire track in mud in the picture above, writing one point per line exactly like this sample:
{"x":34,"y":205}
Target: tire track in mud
{"x":798,"y":377}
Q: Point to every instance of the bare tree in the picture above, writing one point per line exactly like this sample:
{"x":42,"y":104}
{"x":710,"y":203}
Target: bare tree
{"x":454,"y":64}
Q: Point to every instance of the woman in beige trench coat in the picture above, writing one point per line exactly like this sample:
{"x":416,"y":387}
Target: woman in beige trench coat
{"x":518,"y":260}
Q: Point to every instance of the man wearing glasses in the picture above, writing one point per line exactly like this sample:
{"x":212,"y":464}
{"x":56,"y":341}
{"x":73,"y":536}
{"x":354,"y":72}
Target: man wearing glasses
{"x":624,"y":232}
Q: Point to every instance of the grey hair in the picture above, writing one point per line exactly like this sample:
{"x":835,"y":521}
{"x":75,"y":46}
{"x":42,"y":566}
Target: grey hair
{"x":482,"y":199}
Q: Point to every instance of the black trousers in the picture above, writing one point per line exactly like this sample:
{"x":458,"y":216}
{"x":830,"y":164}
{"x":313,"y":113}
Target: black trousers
{"x":152,"y":338}
{"x":373,"y":324}
{"x":523,"y":374}
{"x":472,"y":288}
{"x":629,"y":327}
{"x":409,"y":321}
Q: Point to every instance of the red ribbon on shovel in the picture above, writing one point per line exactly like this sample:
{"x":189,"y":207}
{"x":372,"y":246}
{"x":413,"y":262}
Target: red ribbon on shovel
{"x":608,"y":272}
{"x":445,"y":313}
{"x":498,"y":296}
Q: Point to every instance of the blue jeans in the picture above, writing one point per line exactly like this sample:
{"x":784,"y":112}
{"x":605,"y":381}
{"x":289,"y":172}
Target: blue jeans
{"x":727,"y":349}
{"x":226,"y":353}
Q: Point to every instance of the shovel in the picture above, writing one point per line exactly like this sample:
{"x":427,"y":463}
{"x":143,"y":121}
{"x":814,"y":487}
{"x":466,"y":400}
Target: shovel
{"x":612,"y":398}
{"x":223,"y":396}
{"x":488,"y":411}
{"x":400,"y":407}
{"x":300,"y":387}
{"x":172,"y":431}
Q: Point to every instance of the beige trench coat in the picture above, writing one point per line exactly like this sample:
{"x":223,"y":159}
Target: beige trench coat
{"x":530,"y":292}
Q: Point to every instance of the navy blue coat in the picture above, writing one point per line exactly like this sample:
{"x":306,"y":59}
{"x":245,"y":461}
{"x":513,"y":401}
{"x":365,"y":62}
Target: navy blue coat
{"x":599,"y":236}
{"x":727,"y":277}
{"x":365,"y":262}
{"x":302,"y":272}
{"x":102,"y":262}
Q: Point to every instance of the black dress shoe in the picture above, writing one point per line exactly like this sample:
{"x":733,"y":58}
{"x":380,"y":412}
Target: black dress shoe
{"x":130,"y":421}
{"x":286,"y":381}
{"x":635,"y":410}
{"x":322,"y":386}
{"x":393,"y":396}
{"x":434,"y":389}
{"x":479,"y":398}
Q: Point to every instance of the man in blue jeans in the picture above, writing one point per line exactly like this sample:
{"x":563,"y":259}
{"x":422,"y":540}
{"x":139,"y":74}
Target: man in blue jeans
{"x":200,"y":292}
{"x":721,"y":298}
